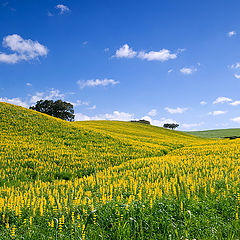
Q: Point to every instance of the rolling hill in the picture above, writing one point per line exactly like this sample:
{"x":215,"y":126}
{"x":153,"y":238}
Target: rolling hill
{"x":113,"y":180}
{"x":218,"y":133}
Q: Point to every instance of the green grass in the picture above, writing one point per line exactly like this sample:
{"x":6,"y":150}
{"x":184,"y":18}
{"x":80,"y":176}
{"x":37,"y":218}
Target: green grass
{"x":218,"y":133}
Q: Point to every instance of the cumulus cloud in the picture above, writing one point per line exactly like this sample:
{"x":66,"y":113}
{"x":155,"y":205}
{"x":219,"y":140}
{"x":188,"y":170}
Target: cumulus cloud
{"x":126,"y":52}
{"x":222,"y":100}
{"x":162,"y":55}
{"x":236,"y":119}
{"x":160,"y":122}
{"x":24,"y":49}
{"x":15,"y":101}
{"x":216,"y":113}
{"x":188,"y":70}
{"x":232,"y":33}
{"x":96,"y":82}
{"x":28,"y":84}
{"x":115,"y":115}
{"x":176,"y":110}
{"x":170,"y":70}
{"x":203,"y":103}
{"x":153,"y":112}
{"x":63,"y":8}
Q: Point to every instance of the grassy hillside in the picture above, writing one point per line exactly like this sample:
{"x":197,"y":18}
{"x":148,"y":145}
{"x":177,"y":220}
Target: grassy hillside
{"x":218,"y":133}
{"x":113,"y":180}
{"x":48,"y":148}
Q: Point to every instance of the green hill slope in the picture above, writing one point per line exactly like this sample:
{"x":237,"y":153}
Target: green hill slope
{"x":218,"y":133}
{"x":35,"y":145}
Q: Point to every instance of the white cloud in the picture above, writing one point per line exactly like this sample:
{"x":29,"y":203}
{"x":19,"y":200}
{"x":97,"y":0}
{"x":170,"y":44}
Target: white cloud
{"x":203,"y":103}
{"x":96,"y":82}
{"x":28,"y":84}
{"x":160,"y":122}
{"x":115,"y":115}
{"x":176,"y":110}
{"x":236,"y":119}
{"x":92,"y":108}
{"x":63,"y":9}
{"x":232,"y":33}
{"x":187,"y":70}
{"x":125,"y":52}
{"x":9,"y":58}
{"x":80,"y":103}
{"x":222,"y":100}
{"x":235,"y":66}
{"x":191,"y":125}
{"x":15,"y":101}
{"x":237,"y":76}
{"x":23,"y":49}
{"x":162,"y":55}
{"x":235,"y":103}
{"x":170,"y":70}
{"x":49,"y":14}
{"x":216,"y":113}
{"x":52,"y":94}
{"x":153,"y":112}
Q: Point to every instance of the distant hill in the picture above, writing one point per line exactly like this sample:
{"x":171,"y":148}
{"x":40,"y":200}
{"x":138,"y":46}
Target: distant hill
{"x":218,"y":133}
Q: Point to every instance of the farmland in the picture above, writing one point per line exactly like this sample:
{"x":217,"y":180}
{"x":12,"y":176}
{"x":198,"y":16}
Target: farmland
{"x":113,"y":180}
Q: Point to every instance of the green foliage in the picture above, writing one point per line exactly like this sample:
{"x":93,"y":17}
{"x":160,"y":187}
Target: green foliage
{"x":58,"y":109}
{"x":170,"y":125}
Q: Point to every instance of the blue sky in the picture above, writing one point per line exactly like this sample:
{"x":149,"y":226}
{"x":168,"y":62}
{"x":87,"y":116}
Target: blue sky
{"x":164,"y":61}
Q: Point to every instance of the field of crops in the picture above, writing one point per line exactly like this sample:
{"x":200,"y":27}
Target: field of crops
{"x":113,"y":180}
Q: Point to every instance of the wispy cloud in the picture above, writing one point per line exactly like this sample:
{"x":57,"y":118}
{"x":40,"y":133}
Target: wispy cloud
{"x":222,"y":100}
{"x":97,"y":82}
{"x":236,"y":119}
{"x":176,"y":110}
{"x":237,"y":76}
{"x":216,"y":113}
{"x":188,"y":70}
{"x":232,"y":33}
{"x":235,"y":103}
{"x":153,"y":112}
{"x":115,"y":115}
{"x":203,"y":103}
{"x":191,"y":125}
{"x":24,"y":49}
{"x":63,"y":8}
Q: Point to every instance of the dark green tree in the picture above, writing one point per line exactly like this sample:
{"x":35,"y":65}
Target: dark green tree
{"x":170,"y":125}
{"x":58,"y":109}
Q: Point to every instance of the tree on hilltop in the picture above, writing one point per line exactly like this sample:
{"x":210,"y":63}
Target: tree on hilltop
{"x":58,"y":109}
{"x":170,"y":125}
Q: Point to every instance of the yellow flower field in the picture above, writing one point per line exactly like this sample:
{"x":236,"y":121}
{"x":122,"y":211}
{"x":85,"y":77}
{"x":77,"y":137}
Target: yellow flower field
{"x":113,"y":180}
